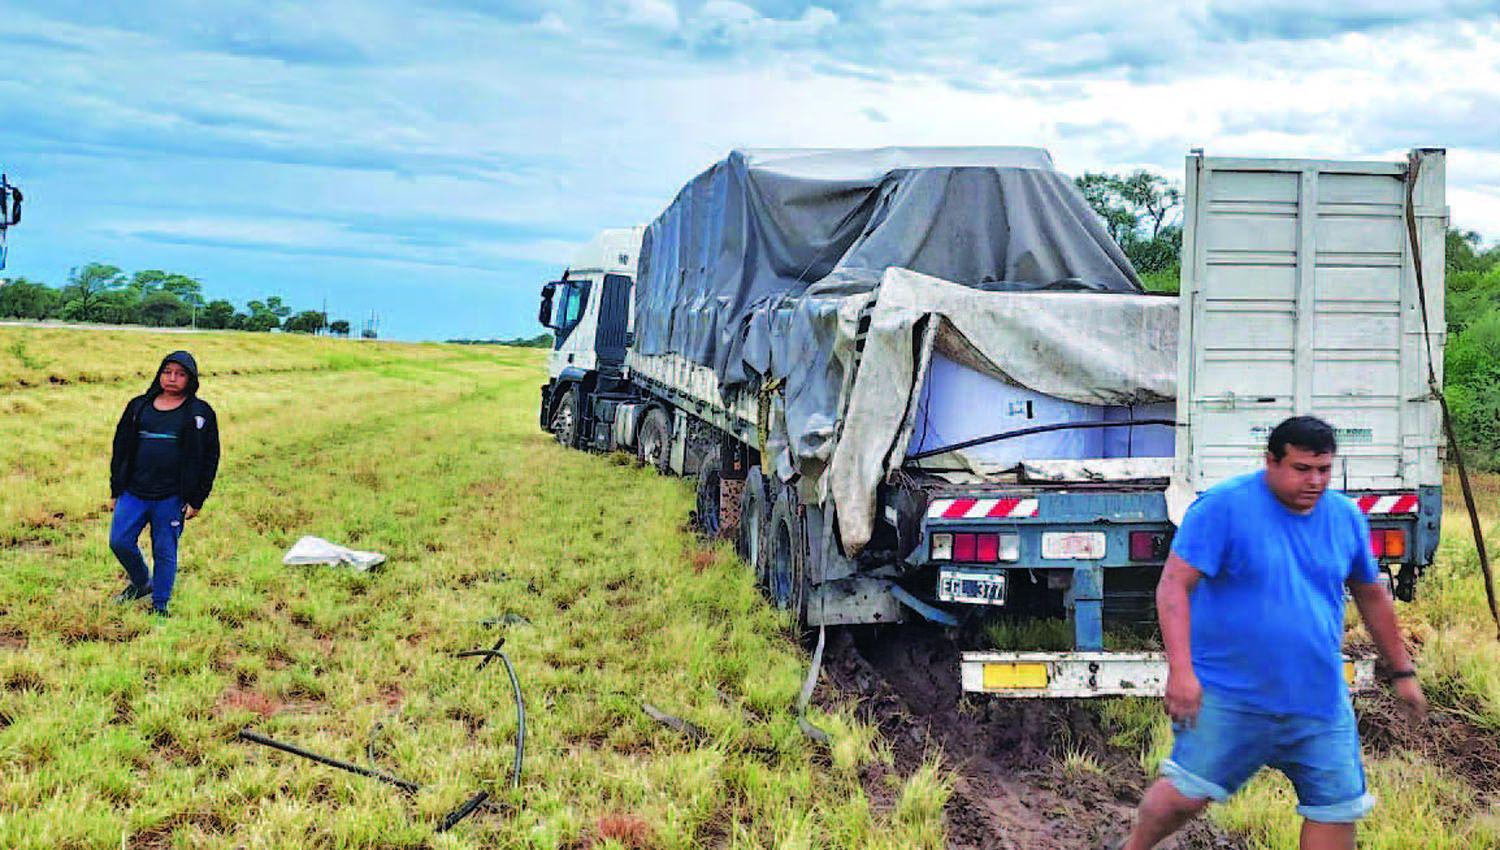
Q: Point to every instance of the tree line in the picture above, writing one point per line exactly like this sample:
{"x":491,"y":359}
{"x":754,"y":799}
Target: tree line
{"x":99,"y":293}
{"x":1142,"y":212}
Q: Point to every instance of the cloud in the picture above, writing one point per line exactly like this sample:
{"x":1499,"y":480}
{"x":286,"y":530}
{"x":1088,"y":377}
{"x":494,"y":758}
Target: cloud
{"x":654,"y":15}
{"x":475,"y":142}
{"x":551,"y":22}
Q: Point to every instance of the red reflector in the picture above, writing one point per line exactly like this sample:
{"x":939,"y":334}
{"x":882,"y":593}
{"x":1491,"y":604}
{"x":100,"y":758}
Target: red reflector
{"x":987,"y":548}
{"x":1395,"y":543}
{"x":963,"y":547}
{"x":1144,"y":545}
{"x":1377,"y":542}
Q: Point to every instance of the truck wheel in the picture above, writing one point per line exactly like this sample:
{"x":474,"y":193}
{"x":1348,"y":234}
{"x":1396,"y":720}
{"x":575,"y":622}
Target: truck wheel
{"x":786,"y":558}
{"x":653,"y":442}
{"x":707,"y":519}
{"x":565,"y":419}
{"x":755,"y":513}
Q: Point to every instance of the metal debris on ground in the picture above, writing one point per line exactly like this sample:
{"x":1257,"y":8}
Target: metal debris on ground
{"x":686,"y":727}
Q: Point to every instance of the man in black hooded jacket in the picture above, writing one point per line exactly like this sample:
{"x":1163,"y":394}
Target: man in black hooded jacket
{"x":166,"y":454}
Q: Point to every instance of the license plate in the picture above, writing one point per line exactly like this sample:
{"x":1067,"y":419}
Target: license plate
{"x":973,"y":588}
{"x":1077,"y":545}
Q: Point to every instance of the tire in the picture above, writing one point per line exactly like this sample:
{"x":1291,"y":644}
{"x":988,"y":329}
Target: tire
{"x":786,"y":558}
{"x":755,"y":518}
{"x":566,"y":420}
{"x":653,"y":442}
{"x":707,"y":517}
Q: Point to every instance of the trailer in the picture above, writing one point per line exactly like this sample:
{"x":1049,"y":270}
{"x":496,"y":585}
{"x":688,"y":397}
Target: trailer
{"x":942,"y":395}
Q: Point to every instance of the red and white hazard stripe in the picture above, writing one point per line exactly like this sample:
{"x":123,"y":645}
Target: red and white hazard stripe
{"x":1390,"y":503}
{"x":982,"y":508}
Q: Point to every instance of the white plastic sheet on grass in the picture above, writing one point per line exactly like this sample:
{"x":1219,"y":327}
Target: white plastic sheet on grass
{"x":316,"y":550}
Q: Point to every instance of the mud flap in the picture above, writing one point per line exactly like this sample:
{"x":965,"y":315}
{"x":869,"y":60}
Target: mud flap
{"x":852,"y":600}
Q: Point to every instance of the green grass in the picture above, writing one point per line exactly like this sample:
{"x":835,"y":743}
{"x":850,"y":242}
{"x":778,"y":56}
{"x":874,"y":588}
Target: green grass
{"x":117,"y":730}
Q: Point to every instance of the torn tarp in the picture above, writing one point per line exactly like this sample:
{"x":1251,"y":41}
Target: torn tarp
{"x":762,"y":265}
{"x":1092,"y":348}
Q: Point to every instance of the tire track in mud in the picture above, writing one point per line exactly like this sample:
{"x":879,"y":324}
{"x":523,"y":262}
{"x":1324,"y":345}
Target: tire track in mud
{"x":1010,"y":790}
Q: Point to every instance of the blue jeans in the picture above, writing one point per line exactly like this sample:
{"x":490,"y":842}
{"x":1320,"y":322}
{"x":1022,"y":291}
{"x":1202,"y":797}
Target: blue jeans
{"x":132,"y":514}
{"x":1228,"y":744}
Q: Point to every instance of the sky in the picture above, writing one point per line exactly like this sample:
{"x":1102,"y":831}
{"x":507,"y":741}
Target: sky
{"x":436,"y":162}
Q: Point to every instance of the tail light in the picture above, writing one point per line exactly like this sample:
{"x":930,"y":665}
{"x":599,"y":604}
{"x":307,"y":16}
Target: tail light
{"x":1388,"y":542}
{"x":982,"y":548}
{"x":1148,"y":545}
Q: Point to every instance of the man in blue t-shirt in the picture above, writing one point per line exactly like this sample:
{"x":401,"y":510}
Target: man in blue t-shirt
{"x":1251,"y":603}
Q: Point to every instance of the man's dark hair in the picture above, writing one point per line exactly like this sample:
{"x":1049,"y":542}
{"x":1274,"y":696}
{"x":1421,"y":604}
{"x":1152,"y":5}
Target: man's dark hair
{"x":1304,"y":432}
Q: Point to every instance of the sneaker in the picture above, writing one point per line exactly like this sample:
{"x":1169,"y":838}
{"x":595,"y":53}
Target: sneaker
{"x":131,"y":593}
{"x":160,"y":611}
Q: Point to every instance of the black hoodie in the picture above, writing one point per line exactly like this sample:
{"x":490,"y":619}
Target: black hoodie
{"x":199,"y":438}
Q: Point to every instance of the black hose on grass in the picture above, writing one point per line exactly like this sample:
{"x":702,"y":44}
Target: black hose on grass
{"x":470,"y":805}
{"x":489,"y":655}
{"x":468,"y":808}
{"x":257,"y":738}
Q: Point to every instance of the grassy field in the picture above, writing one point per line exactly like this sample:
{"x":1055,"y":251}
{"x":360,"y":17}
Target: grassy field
{"x":117,"y":730}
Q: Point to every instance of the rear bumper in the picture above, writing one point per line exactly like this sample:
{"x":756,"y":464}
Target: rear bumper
{"x":1056,"y":675}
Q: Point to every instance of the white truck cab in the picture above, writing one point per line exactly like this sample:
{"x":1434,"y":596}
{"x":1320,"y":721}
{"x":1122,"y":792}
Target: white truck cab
{"x":599,"y":277}
{"x":590,"y":311}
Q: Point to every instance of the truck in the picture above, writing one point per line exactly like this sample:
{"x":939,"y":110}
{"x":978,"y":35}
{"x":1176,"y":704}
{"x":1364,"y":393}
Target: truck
{"x":10,"y":211}
{"x":906,"y":433}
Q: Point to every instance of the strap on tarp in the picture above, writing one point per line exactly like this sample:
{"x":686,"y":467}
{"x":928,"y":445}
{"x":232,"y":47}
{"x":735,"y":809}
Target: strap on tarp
{"x":1414,"y":167}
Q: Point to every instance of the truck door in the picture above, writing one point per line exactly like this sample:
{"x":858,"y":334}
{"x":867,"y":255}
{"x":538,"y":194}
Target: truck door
{"x":1299,"y":298}
{"x":570,"y":300}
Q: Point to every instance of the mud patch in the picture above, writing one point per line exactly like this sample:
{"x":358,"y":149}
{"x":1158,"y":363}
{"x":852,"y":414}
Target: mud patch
{"x":1443,"y":739}
{"x":1010,"y":787}
{"x":242,"y":699}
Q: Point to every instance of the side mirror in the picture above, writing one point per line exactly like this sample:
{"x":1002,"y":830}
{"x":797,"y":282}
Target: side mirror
{"x":544,"y":315}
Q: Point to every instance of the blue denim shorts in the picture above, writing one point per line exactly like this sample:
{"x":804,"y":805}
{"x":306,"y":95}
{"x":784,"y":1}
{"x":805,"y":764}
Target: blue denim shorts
{"x":1228,"y":745}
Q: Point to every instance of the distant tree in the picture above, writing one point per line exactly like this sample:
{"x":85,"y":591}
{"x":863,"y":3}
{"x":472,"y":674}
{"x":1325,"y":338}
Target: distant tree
{"x":1138,"y":211}
{"x":1102,"y":191}
{"x":338,"y":327}
{"x":29,"y":299}
{"x":117,"y":307}
{"x":147,"y":280}
{"x":217,"y":314}
{"x":86,"y":286}
{"x":367,"y":333}
{"x":163,"y":309}
{"x":306,"y":322}
{"x":278,"y":309}
{"x":261,"y":317}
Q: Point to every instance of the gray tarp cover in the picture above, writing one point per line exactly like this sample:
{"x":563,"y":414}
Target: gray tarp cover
{"x":760,"y":265}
